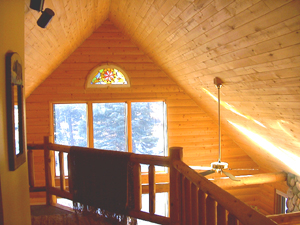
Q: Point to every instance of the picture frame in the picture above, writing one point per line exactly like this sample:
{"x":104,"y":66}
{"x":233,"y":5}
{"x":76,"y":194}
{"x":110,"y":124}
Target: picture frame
{"x":15,"y":111}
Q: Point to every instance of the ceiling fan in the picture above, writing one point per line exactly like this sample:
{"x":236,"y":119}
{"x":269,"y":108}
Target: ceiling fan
{"x":219,"y":166}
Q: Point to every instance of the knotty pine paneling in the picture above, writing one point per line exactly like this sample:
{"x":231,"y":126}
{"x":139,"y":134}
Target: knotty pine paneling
{"x":253,"y":46}
{"x":188,"y":125}
{"x":45,"y":49}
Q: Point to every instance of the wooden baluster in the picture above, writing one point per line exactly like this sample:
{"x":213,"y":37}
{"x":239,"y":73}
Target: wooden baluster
{"x":202,"y":207}
{"x":194,"y":198}
{"x":137,"y":186}
{"x":49,"y":172}
{"x":152,"y":189}
{"x":62,"y":171}
{"x":30,"y":168}
{"x":183,"y":201}
{"x":180,"y":180}
{"x":70,"y":181}
{"x":232,"y":220}
{"x":221,"y":215}
{"x":175,"y":186}
{"x":210,"y":211}
{"x":188,"y":202}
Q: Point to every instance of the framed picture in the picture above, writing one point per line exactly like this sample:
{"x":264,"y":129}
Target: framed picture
{"x":15,"y":111}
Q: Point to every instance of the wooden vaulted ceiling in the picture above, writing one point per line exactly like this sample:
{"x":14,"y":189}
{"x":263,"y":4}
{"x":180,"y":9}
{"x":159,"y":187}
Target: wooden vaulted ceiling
{"x":252,"y":45}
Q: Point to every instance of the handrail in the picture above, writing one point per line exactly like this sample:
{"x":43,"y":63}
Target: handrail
{"x":292,"y":218}
{"x":234,"y":206}
{"x":192,"y":199}
{"x":65,"y":192}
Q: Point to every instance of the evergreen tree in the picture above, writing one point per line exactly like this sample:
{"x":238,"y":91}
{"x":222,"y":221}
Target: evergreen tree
{"x":70,"y":124}
{"x":143,"y":132}
{"x":109,"y":126}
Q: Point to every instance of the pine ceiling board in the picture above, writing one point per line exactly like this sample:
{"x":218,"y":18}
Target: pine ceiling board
{"x":61,"y":16}
{"x":213,"y":51}
{"x":145,"y":27}
{"x":72,"y":21}
{"x":133,"y":15}
{"x":138,"y":17}
{"x":253,"y":60}
{"x":157,"y":25}
{"x":141,"y":21}
{"x":204,"y":45}
{"x":266,"y":47}
{"x":203,"y":28}
{"x":153,"y":25}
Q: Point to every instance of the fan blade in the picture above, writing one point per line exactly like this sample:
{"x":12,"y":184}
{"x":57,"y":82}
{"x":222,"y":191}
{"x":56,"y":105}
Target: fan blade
{"x":200,"y":167}
{"x":242,"y":169}
{"x":230,"y":176}
{"x":205,"y":173}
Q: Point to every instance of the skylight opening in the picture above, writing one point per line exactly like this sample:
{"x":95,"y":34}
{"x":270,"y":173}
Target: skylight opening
{"x":288,"y":158}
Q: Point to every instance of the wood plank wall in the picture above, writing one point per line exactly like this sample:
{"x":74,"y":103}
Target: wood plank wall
{"x":188,"y":125}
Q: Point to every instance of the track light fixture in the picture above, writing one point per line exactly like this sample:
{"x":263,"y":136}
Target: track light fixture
{"x":47,"y":14}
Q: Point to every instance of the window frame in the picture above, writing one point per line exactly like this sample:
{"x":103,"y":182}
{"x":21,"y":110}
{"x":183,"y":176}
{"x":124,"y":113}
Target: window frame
{"x":90,"y":129}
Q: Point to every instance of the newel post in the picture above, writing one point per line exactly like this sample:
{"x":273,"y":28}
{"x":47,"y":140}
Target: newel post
{"x":176,"y":153}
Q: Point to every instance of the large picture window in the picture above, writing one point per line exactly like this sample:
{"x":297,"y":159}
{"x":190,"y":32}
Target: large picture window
{"x":138,"y":127}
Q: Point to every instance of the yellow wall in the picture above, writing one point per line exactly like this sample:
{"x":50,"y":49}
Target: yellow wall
{"x":14,"y":196}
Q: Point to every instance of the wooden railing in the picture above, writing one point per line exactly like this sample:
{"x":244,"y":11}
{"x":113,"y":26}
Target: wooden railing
{"x":196,"y":200}
{"x":192,"y":198}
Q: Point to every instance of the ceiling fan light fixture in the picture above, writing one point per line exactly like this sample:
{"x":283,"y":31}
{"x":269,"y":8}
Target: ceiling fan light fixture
{"x":219,"y":166}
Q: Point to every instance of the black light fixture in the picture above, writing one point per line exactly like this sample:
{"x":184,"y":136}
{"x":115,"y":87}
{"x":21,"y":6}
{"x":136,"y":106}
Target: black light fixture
{"x":37,"y":5}
{"x":47,"y":14}
{"x":45,"y":18}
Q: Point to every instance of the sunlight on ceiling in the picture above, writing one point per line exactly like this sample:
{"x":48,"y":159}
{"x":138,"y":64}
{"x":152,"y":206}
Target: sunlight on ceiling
{"x":232,"y":109}
{"x":289,"y":159}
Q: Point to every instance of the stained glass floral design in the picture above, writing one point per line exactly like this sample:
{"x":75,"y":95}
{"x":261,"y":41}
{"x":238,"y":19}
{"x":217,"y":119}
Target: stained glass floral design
{"x":109,"y":76}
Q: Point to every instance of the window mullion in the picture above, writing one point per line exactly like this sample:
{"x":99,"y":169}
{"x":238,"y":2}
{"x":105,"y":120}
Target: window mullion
{"x":90,"y":131}
{"x":129,"y":127}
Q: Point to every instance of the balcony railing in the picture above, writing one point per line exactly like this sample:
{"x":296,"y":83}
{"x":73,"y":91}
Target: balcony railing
{"x":192,"y":198}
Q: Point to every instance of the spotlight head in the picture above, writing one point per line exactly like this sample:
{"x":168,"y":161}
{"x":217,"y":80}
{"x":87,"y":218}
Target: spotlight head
{"x":45,"y":18}
{"x":37,"y":5}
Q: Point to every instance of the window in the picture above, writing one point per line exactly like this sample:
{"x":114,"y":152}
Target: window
{"x":280,"y":202}
{"x":107,"y":75}
{"x":109,"y":126}
{"x":138,"y":127}
{"x":70,"y":128}
{"x":70,"y":124}
{"x":148,"y":127}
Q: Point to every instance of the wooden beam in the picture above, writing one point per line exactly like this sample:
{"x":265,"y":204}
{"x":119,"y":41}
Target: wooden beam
{"x":251,"y":180}
{"x":227,"y":183}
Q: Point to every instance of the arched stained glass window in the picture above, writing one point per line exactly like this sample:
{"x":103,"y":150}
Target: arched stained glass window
{"x":107,"y":75}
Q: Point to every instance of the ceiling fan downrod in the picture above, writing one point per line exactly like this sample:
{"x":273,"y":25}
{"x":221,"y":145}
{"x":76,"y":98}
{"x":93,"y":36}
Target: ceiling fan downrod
{"x":218,"y":83}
